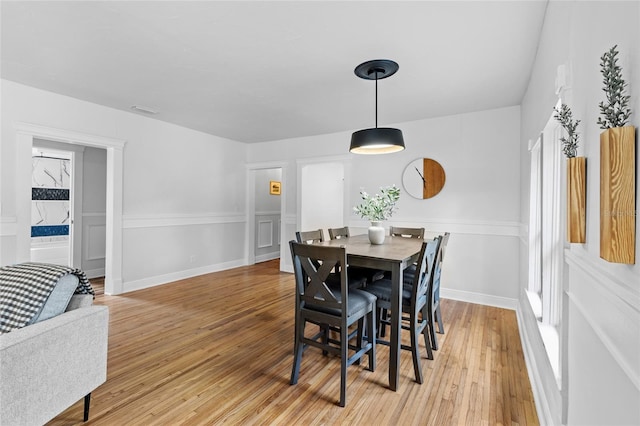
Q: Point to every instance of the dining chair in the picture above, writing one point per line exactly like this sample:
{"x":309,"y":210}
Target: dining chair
{"x":434,"y":309}
{"x":310,"y":237}
{"x":333,"y":280}
{"x":397,"y":231}
{"x":340,"y":307}
{"x":369,"y":274}
{"x":408,"y":273}
{"x":415,"y":303}
{"x":356,"y":280}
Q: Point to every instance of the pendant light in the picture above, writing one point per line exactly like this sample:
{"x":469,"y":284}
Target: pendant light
{"x":378,"y":140}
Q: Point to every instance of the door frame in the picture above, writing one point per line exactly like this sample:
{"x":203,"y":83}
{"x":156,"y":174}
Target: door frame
{"x":250,"y":202}
{"x":25,"y":135}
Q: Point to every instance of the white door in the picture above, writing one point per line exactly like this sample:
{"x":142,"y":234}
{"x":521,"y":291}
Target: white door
{"x":52,"y":206}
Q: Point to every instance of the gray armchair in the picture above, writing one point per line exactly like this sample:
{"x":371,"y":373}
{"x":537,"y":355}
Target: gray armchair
{"x":48,"y":366}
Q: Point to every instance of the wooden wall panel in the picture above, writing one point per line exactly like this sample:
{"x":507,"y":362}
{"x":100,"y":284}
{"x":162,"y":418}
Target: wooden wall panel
{"x":576,"y":199}
{"x":618,"y":195}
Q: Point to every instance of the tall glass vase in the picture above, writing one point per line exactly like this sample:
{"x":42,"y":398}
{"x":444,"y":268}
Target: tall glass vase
{"x":376,"y":233}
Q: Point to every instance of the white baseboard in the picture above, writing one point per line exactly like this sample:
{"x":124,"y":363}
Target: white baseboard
{"x":180,"y":275}
{"x":481,"y":299}
{"x":94,"y":273}
{"x":268,"y":256}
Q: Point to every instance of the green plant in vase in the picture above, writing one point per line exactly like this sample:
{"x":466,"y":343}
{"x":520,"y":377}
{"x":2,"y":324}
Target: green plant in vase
{"x":377,"y":208}
{"x":614,"y":111}
{"x":576,"y":176}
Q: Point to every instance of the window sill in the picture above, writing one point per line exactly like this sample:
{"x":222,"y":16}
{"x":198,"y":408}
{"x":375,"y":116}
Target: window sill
{"x":549,"y":334}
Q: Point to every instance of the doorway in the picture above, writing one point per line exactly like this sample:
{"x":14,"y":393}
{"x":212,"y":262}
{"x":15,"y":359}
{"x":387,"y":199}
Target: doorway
{"x":267,"y":214}
{"x":322,"y":200}
{"x":259,"y":185}
{"x":26,"y":135}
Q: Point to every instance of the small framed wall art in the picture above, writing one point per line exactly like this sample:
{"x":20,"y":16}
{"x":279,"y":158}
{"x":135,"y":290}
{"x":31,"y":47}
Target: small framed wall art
{"x":274,"y":187}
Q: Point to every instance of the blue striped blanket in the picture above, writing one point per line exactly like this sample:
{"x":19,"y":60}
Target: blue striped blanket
{"x":25,"y":287}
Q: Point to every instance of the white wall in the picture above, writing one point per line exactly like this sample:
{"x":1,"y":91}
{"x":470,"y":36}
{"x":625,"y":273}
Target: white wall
{"x":600,"y":342}
{"x":479,"y":203}
{"x":183,"y":197}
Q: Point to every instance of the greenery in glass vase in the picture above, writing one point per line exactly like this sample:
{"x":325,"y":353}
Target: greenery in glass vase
{"x":380,"y":206}
{"x":615,"y":111}
{"x":565,"y":118}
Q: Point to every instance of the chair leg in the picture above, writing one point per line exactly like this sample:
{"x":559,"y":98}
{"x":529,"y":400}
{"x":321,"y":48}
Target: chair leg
{"x":439,"y":319}
{"x":371,"y":333}
{"x":297,"y":353}
{"x":344,"y":353}
{"x":426,"y":332}
{"x":382,"y":316}
{"x":324,"y":329}
{"x":415,"y":350}
{"x":359,"y":338}
{"x":87,"y":403}
{"x":432,"y":330}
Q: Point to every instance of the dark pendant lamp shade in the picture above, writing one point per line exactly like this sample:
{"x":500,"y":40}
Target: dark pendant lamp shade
{"x":378,"y":140}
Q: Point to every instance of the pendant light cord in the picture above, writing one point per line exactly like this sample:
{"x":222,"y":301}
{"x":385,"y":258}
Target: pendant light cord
{"x":376,"y":99}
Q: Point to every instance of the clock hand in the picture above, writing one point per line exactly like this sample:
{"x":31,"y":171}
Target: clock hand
{"x":424,"y":182}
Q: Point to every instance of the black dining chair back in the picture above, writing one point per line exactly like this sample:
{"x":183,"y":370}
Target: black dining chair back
{"x":434,"y":309}
{"x":397,"y":231}
{"x":408,"y":273}
{"x":415,"y":302}
{"x":309,"y":237}
{"x":337,"y":233}
{"x":369,"y":275}
{"x":317,"y":236}
{"x":319,"y":302}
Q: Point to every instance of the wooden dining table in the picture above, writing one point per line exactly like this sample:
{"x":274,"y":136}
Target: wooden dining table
{"x":394,"y":255}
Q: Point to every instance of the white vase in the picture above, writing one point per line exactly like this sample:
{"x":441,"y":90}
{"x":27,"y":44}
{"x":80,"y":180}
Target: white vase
{"x":376,"y":233}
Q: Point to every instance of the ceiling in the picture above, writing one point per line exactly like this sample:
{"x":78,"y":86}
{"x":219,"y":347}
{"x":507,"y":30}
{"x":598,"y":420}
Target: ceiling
{"x":269,"y":70}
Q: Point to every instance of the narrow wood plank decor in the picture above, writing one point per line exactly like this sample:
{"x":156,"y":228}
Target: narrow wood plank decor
{"x":618,"y":195}
{"x":576,"y":199}
{"x":217,"y":349}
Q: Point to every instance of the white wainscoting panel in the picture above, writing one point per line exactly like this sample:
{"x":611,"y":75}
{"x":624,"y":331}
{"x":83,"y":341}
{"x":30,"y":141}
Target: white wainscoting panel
{"x":94,"y":244}
{"x":95,"y":248}
{"x":267,"y":242}
{"x":611,"y":308}
{"x":265,"y":233}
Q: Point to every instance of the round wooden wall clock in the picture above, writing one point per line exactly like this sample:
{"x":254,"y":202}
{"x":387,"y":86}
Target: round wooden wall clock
{"x":423,"y":178}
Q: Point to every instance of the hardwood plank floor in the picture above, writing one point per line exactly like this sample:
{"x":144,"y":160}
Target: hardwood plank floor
{"x":218,"y":349}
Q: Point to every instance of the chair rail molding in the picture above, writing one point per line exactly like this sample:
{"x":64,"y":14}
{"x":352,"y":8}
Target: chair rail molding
{"x":131,"y":221}
{"x":477,"y":227}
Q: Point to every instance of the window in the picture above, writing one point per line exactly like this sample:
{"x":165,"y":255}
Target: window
{"x":546,"y":241}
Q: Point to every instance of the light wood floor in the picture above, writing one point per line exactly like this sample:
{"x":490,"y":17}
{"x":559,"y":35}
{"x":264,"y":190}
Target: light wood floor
{"x":218,"y":349}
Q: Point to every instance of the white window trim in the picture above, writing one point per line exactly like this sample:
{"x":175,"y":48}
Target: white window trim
{"x":546,"y":238}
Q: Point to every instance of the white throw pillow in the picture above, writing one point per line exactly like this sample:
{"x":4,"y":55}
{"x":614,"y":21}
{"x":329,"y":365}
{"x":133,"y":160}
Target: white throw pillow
{"x":58,"y":299}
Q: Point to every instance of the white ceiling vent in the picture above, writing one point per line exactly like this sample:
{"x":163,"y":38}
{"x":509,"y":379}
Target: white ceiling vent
{"x":144,"y":109}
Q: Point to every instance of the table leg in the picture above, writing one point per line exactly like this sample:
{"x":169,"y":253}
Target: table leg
{"x":396,"y":314}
